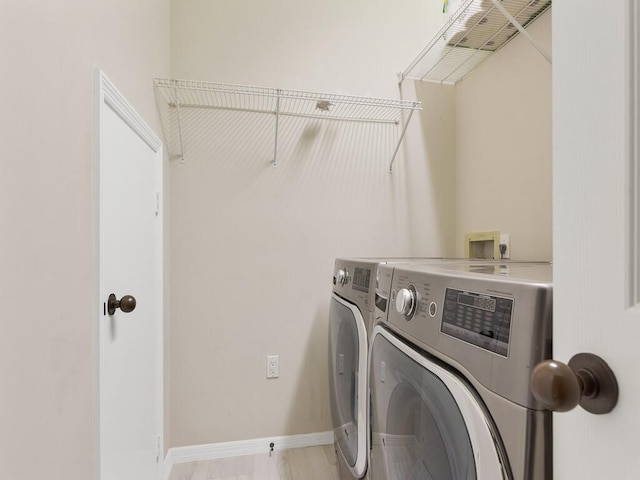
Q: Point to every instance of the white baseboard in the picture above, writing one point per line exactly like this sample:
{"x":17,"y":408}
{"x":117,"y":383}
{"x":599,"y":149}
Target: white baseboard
{"x":243,"y":447}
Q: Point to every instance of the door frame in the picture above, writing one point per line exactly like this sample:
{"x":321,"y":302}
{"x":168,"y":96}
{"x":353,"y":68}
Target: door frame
{"x":106,"y":95}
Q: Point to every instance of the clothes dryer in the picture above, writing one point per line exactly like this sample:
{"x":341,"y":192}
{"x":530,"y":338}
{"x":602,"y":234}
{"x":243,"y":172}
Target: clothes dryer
{"x":361,"y":290}
{"x":449,"y":374}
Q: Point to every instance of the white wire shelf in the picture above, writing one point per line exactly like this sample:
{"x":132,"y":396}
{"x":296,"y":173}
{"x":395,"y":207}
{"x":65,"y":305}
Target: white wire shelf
{"x":172,"y":95}
{"x":476,"y":30}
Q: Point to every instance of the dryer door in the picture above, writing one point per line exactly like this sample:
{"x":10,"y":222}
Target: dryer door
{"x":426,"y":423}
{"x":348,"y":382}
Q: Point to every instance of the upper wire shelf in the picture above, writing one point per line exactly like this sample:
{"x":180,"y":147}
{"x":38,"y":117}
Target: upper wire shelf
{"x":476,"y":30}
{"x":173,"y":95}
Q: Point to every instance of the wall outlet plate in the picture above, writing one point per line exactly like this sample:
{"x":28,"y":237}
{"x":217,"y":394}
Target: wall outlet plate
{"x":504,"y":240}
{"x":273,"y":366}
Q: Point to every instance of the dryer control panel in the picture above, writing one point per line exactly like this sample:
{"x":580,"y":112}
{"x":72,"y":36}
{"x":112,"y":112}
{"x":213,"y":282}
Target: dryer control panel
{"x":490,"y":322}
{"x":480,"y":319}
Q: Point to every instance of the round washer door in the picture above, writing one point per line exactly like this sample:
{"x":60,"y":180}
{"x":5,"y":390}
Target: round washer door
{"x":426,"y":423}
{"x":348,"y":382}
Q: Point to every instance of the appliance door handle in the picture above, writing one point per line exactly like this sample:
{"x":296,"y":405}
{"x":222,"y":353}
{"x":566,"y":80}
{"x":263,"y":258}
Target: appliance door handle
{"x":586,"y":381}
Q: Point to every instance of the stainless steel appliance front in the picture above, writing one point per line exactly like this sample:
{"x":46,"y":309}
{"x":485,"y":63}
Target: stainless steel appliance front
{"x":450,"y":364}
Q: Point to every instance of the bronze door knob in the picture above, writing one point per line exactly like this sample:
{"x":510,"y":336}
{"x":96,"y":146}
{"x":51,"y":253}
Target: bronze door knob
{"x":586,"y":381}
{"x":126,"y":304}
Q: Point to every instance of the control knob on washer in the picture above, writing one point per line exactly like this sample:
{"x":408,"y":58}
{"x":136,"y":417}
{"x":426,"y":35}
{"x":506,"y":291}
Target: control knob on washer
{"x":405,"y":301}
{"x":342,"y":277}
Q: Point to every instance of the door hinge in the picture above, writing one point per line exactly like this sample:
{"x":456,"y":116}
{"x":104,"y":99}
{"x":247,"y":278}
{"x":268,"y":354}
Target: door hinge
{"x":159,"y":449}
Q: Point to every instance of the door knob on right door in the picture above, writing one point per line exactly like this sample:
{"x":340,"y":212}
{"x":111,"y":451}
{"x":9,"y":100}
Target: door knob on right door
{"x":126,"y":304}
{"x":586,"y":381}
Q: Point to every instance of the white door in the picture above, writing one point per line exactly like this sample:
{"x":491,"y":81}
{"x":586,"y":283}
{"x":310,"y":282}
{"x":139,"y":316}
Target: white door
{"x":596,"y":228}
{"x":129,"y":160}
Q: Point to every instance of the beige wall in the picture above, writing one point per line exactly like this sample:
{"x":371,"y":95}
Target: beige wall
{"x":503,"y":147}
{"x":253,"y":246}
{"x":48,"y":52}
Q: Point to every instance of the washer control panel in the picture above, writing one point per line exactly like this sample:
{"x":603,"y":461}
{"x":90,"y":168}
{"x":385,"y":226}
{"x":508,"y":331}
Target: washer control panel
{"x":341,"y":277}
{"x":362,"y":279}
{"x":355,"y":281}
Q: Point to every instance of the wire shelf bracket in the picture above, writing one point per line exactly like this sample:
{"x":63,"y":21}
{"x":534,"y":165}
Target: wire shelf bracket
{"x":474,"y":32}
{"x":179,"y":125}
{"x":174,"y":95}
{"x":275,"y":143}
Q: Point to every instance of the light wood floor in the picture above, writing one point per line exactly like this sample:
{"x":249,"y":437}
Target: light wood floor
{"x":311,"y":463}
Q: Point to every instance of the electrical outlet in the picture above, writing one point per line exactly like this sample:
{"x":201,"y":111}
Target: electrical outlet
{"x":273,"y":367}
{"x":504,"y":240}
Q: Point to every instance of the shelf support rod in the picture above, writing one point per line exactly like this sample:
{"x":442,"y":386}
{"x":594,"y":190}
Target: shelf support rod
{"x":175,"y":88}
{"x":521,"y":29}
{"x":404,"y":130}
{"x":275,"y":146}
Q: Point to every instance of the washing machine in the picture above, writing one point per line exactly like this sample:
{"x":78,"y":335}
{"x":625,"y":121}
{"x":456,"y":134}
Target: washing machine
{"x":354,"y":303}
{"x":449,"y":374}
{"x":350,"y":320}
{"x":360,"y":297}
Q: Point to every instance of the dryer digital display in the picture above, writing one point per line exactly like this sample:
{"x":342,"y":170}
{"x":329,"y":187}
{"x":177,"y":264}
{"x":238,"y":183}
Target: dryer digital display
{"x":361,"y":279}
{"x":482,"y":320}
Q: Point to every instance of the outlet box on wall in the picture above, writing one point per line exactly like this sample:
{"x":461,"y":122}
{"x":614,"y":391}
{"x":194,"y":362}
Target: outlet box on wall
{"x":273,"y":366}
{"x":505,"y":247}
{"x":482,"y":245}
